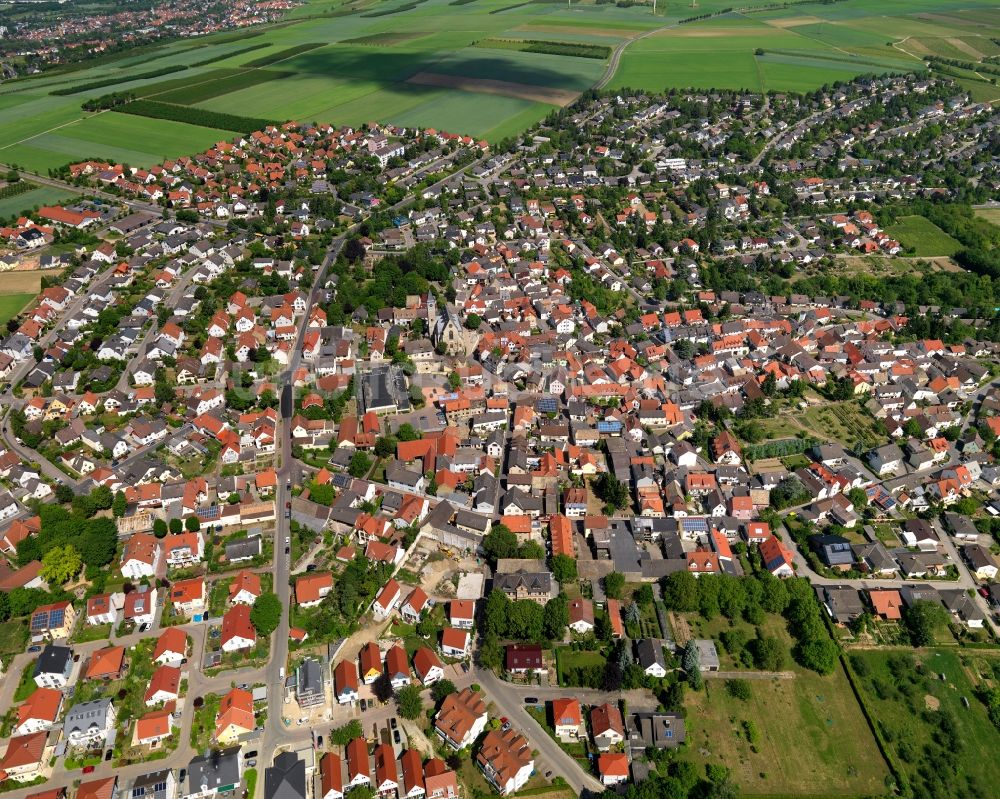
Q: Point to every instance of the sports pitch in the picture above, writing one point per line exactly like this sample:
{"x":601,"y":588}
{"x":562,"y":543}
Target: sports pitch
{"x":431,"y":63}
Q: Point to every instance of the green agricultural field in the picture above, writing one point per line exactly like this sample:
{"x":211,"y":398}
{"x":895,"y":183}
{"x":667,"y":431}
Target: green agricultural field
{"x":805,"y":736}
{"x":12,"y":304}
{"x":943,"y":747}
{"x":41,"y":195}
{"x":349,"y":62}
{"x":926,"y":238}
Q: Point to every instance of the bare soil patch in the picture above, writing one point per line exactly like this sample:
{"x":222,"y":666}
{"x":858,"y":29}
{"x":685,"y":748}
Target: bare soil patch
{"x":965,"y":47}
{"x":794,"y":22}
{"x":521,"y":91}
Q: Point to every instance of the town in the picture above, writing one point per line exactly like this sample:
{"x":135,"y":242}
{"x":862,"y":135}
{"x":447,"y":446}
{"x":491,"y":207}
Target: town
{"x":626,"y":457}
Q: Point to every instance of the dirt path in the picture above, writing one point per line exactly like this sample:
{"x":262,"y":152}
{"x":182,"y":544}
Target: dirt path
{"x":749,"y":675}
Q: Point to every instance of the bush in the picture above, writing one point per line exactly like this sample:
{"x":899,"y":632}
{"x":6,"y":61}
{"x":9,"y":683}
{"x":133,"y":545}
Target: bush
{"x":739,"y":689}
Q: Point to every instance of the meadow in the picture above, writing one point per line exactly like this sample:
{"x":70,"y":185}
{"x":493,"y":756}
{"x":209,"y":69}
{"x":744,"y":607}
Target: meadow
{"x":12,"y":304}
{"x":474,"y":67}
{"x":926,"y":708}
{"x":809,"y":737}
{"x":926,"y":238}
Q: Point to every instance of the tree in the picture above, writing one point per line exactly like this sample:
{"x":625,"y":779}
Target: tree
{"x":159,"y":528}
{"x":858,"y":498}
{"x":555,"y":617}
{"x":692,"y":665}
{"x":382,"y":688}
{"x":385,"y":446}
{"x":60,"y":564}
{"x":473,"y":321}
{"x":342,"y":736}
{"x":176,"y":525}
{"x":922,"y":619}
{"x":64,"y":493}
{"x":191,"y":524}
{"x":681,"y":592}
{"x":531,"y":550}
{"x":496,"y":613}
{"x":426,"y":626}
{"x":612,"y":490}
{"x":643,"y":594}
{"x":409,"y":702}
{"x":360,"y":464}
{"x":526,"y":620}
{"x":265,"y":615}
{"x":120,"y":505}
{"x":441,"y":689}
{"x":499,"y":543}
{"x":102,"y":497}
{"x":767,"y":652}
{"x":407,"y":432}
{"x":614,"y":582}
{"x":739,"y":689}
{"x":633,"y":615}
{"x":564,"y":569}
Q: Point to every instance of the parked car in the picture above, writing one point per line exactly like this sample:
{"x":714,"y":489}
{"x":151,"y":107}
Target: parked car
{"x":35,"y":648}
{"x":319,"y":741}
{"x":250,"y":754}
{"x":88,"y":769}
{"x":311,"y":567}
{"x":392,"y":722}
{"x":395,"y":736}
{"x":531,"y":700}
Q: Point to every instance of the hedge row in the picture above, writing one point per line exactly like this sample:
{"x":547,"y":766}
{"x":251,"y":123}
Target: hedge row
{"x":194,"y":116}
{"x":100,"y":84}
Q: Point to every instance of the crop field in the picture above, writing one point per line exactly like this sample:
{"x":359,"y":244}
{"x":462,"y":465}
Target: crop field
{"x":487,"y":68}
{"x":926,"y":238}
{"x":38,"y":196}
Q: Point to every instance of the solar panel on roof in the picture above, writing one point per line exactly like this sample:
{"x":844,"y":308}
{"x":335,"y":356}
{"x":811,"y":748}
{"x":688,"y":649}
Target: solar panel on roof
{"x":40,"y":621}
{"x":56,"y":618}
{"x":547,"y":405}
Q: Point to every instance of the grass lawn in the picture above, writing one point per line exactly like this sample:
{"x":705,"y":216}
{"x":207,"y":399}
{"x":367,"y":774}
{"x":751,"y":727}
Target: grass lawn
{"x":809,"y":737}
{"x":203,"y":725}
{"x":92,"y":632}
{"x":568,"y":659}
{"x":912,"y":694}
{"x":26,"y":685}
{"x":926,"y":238}
{"x":12,"y":304}
{"x":13,"y":636}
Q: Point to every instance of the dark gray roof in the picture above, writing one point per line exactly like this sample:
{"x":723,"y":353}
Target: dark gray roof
{"x":54,"y":660}
{"x":286,"y":779}
{"x":248,"y":547}
{"x":217,"y":768}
